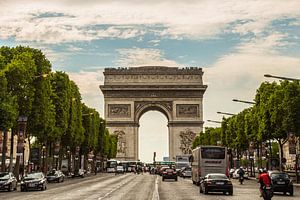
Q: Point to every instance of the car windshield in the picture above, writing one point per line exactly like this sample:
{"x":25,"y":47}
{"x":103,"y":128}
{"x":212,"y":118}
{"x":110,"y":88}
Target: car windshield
{"x":280,"y":175}
{"x":52,"y":173}
{"x":34,"y":176}
{"x":4,"y":176}
{"x":217,"y":176}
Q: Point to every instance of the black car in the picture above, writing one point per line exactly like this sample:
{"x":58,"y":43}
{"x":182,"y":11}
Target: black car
{"x":34,"y":180}
{"x":282,"y":182}
{"x":8,"y":181}
{"x":169,"y":173}
{"x":78,"y":173}
{"x":216,"y":183}
{"x":55,"y":176}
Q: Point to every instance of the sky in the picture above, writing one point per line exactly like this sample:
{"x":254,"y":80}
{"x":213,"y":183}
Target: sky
{"x":235,"y":42}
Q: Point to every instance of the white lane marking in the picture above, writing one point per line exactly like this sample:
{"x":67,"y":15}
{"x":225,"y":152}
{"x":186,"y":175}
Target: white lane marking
{"x":114,"y":189}
{"x":155,"y":193}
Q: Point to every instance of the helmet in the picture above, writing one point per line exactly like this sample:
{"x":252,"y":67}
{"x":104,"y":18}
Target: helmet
{"x":241,"y":167}
{"x":260,"y":171}
{"x":265,"y":170}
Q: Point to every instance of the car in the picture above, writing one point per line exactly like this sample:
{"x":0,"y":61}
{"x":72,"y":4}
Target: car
{"x":8,"y":181}
{"x":120,"y":169}
{"x":236,"y":175}
{"x":281,"y":182}
{"x":161,"y":169}
{"x":186,"y":172}
{"x":55,"y":176}
{"x":216,"y":183}
{"x":231,"y":171}
{"x":78,"y":173}
{"x":169,"y":173}
{"x":34,"y":180}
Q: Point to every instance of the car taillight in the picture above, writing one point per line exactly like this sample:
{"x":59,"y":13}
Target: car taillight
{"x":174,"y":173}
{"x":164,"y":172}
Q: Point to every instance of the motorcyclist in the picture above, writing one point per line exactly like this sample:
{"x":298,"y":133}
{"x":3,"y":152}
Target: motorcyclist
{"x":264,"y":179}
{"x":241,"y":173}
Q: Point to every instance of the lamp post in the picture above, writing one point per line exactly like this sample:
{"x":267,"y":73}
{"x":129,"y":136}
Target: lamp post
{"x":225,"y":113}
{"x":281,"y":77}
{"x":219,"y":122}
{"x":69,"y":160}
{"x":243,"y":101}
{"x":43,"y":153}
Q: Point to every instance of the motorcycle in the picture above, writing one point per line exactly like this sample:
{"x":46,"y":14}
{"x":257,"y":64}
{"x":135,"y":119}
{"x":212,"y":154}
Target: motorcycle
{"x":241,"y":179}
{"x":267,"y":192}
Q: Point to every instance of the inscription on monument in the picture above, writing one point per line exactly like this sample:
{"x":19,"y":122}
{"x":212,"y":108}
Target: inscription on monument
{"x":187,"y":110}
{"x":119,"y":110}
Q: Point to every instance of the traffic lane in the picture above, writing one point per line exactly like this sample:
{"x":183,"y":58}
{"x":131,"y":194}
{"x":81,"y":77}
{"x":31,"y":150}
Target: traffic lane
{"x":67,"y":181}
{"x":184,"y":189}
{"x":77,"y":188}
{"x":140,"y":187}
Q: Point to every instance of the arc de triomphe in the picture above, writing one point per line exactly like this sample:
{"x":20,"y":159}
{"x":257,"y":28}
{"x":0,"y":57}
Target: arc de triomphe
{"x":176,"y":92}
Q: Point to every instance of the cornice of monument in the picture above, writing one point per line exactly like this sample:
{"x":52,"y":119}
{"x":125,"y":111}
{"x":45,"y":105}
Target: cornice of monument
{"x":150,"y":70}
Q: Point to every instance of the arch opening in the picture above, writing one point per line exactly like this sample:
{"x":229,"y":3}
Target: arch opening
{"x":153,"y":136}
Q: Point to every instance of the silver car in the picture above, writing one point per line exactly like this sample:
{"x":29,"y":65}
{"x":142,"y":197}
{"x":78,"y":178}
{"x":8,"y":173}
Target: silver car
{"x":8,"y":181}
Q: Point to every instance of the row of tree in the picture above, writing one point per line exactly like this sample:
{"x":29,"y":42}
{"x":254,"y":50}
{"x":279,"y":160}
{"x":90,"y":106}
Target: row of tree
{"x":274,"y":118}
{"x":52,"y":104}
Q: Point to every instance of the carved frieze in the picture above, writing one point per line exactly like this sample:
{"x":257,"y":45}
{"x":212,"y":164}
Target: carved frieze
{"x":119,"y":110}
{"x":186,"y":140}
{"x":187,"y":110}
{"x":121,"y":145}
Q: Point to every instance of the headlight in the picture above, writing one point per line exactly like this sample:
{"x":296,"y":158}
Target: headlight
{"x":41,"y":182}
{"x":22,"y":182}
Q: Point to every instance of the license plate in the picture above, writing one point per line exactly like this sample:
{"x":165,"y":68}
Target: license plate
{"x":280,"y":182}
{"x":220,"y":183}
{"x":31,"y":185}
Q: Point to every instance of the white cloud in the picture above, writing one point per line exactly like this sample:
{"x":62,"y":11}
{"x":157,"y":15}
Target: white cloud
{"x":88,"y":83}
{"x":142,"y":57}
{"x":239,"y":75}
{"x":123,"y":19}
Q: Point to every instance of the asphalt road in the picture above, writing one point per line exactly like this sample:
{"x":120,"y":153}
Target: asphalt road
{"x":136,"y":187}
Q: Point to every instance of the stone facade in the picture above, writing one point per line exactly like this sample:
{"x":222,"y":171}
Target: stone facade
{"x":175,"y":92}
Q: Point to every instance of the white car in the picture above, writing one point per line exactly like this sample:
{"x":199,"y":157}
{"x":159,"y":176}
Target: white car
{"x":236,"y":174}
{"x":120,"y":169}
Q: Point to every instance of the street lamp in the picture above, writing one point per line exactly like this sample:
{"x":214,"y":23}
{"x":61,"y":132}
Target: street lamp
{"x":281,"y":77}
{"x":219,"y":122}
{"x":242,"y":101}
{"x":43,"y":151}
{"x":225,"y":113}
{"x":86,"y":114}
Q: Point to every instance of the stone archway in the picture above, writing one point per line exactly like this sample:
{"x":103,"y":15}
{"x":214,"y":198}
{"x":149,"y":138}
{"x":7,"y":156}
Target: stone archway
{"x":175,"y":92}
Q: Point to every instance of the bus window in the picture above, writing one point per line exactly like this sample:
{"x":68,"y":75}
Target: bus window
{"x":212,"y":153}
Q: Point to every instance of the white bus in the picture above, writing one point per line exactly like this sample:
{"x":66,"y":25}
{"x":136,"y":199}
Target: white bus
{"x":209,"y":159}
{"x":111,"y":166}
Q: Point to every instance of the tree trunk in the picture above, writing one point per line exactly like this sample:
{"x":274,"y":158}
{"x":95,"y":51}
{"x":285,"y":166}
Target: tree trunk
{"x":280,"y":154}
{"x":4,"y":149}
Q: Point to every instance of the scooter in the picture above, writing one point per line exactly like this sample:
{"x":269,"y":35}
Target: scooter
{"x":267,"y":192}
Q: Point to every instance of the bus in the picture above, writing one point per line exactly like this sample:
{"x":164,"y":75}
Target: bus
{"x":209,"y":159}
{"x":111,"y":165}
{"x":131,"y":166}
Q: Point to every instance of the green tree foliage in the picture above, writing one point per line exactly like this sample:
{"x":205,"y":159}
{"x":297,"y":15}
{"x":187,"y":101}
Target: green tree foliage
{"x":211,"y":136}
{"x":8,"y":105}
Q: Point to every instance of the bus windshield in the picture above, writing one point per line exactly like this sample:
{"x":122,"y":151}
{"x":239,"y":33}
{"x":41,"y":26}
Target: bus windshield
{"x":212,"y":153}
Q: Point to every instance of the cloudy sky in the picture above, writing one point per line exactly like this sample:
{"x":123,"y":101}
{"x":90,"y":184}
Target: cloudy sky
{"x":235,"y":42}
